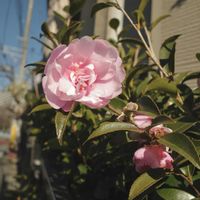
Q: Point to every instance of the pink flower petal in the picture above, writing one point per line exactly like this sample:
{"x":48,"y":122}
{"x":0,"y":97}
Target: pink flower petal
{"x":54,"y":54}
{"x":88,"y":71}
{"x":142,"y":121}
{"x":152,"y":156}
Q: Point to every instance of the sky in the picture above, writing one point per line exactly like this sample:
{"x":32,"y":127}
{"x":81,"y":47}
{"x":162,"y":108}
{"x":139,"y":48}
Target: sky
{"x":12,"y":21}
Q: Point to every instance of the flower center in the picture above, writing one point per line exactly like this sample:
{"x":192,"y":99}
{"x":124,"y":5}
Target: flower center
{"x":82,"y":76}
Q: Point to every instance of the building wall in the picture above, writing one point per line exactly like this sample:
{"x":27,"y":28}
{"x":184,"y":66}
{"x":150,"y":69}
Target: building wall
{"x":184,"y":20}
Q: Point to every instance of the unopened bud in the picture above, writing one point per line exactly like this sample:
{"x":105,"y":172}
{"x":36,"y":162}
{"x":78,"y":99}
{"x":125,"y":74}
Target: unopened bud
{"x":121,"y":117}
{"x":131,"y":107}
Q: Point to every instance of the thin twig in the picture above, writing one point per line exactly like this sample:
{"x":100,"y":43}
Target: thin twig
{"x":189,"y":182}
{"x":148,"y":48}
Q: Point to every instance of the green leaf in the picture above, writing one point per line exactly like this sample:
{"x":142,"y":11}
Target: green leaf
{"x":179,"y":77}
{"x":158,"y":20}
{"x":75,"y":7}
{"x":41,"y":107}
{"x":48,"y":33}
{"x":142,"y":6}
{"x":37,"y":64}
{"x":139,"y":13}
{"x":181,"y":127}
{"x":136,"y":71}
{"x":65,"y":32}
{"x":163,"y":84}
{"x":147,"y":104}
{"x":162,"y":119}
{"x":131,"y":40}
{"x":41,"y":42}
{"x":100,"y":6}
{"x":61,"y":123}
{"x":174,"y":194}
{"x":167,"y":53}
{"x":198,"y":56}
{"x":182,"y":145}
{"x":145,"y":182}
{"x":114,"y":23}
{"x":110,"y":127}
{"x":118,"y":104}
{"x":188,"y":171}
{"x":59,"y":16}
{"x":192,"y":75}
{"x":197,"y":145}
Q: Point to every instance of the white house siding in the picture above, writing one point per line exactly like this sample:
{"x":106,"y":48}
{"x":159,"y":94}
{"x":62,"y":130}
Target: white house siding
{"x":184,"y":20}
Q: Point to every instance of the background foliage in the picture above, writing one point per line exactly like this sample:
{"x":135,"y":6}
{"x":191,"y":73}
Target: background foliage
{"x":95,"y":158}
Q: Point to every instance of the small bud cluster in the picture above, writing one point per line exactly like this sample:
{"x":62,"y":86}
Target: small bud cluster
{"x":152,"y":155}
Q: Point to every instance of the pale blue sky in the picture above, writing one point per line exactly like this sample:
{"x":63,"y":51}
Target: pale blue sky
{"x":12,"y":21}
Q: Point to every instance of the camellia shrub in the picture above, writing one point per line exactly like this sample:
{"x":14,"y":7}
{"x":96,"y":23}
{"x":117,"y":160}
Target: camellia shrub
{"x":114,"y":120}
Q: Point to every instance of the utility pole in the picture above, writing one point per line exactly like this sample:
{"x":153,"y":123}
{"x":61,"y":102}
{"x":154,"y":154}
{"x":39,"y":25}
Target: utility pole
{"x":25,"y":41}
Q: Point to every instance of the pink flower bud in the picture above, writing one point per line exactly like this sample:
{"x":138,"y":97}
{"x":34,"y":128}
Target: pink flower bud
{"x":152,"y":156}
{"x":159,"y":131}
{"x":142,"y":121}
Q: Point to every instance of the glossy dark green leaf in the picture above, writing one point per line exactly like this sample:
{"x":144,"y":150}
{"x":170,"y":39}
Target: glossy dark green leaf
{"x":131,"y":73}
{"x":198,"y":56}
{"x":118,"y":104}
{"x":134,"y":136}
{"x":147,"y":104}
{"x":182,"y":145}
{"x":59,"y":16}
{"x":48,"y":33}
{"x":37,"y":64}
{"x":114,"y":23}
{"x":143,"y":4}
{"x":162,"y":119}
{"x":174,"y":194}
{"x":158,"y":20}
{"x":75,"y":7}
{"x":179,"y":77}
{"x":110,"y":127}
{"x":100,"y":6}
{"x":167,"y":53}
{"x":43,"y":43}
{"x":181,"y":127}
{"x":191,"y":76}
{"x":139,"y":15}
{"x":144,"y":182}
{"x":188,"y":170}
{"x":41,"y":107}
{"x":163,"y":84}
{"x":131,"y":40}
{"x":197,"y":145}
{"x":65,"y":32}
{"x":60,"y":123}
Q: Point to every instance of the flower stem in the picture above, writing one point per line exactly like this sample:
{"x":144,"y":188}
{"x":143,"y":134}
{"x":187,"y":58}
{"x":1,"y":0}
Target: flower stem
{"x":189,"y":182}
{"x":149,"y":47}
{"x":60,"y":136}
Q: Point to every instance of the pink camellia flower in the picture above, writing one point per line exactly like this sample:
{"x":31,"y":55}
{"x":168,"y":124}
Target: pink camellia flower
{"x":152,"y":156}
{"x":159,"y":130}
{"x":142,"y":121}
{"x":87,"y":71}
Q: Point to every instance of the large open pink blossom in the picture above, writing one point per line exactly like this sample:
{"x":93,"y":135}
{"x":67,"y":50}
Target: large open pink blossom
{"x":152,"y":156}
{"x":87,"y":71}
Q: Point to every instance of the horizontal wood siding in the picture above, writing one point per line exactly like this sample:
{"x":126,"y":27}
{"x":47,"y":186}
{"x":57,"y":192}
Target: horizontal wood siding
{"x":184,"y":20}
